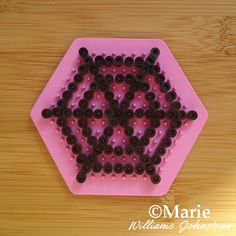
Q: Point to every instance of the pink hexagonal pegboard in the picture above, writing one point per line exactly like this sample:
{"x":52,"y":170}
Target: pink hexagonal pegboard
{"x":125,"y":183}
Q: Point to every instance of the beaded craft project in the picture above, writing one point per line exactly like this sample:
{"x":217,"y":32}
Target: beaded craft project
{"x":119,"y":117}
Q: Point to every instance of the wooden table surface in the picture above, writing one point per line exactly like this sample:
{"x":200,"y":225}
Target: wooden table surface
{"x":34,"y":199}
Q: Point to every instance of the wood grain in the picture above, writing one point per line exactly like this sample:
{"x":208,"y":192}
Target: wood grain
{"x":34,"y":36}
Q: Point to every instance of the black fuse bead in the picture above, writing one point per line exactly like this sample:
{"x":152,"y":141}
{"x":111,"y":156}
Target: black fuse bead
{"x":171,"y":132}
{"x":139,"y":112}
{"x":171,"y":96}
{"x":98,"y":149}
{"x":99,"y":78}
{"x":155,"y":52}
{"x":46,"y":113}
{"x":107,"y":168}
{"x":61,"y":121}
{"x":165,"y":87}
{"x":118,"y":150}
{"x":92,"y":157}
{"x":181,"y":114}
{"x":108,"y":131}
{"x":129,"y":113}
{"x":109,"y":78}
{"x":118,"y":61}
{"x":176,"y":123}
{"x":150,"y":132}
{"x":109,"y":95}
{"x":156,"y":179}
{"x":97,"y":167}
{"x":160,"y":78}
{"x":81,"y":158}
{"x":139,"y":78}
{"x":119,"y":78}
{"x":129,"y":95}
{"x":139,"y":61}
{"x":139,"y":150}
{"x":66,"y":130}
{"x":99,"y":60}
{"x":161,"y":150}
{"x":71,"y":139}
{"x":86,"y":131}
{"x":144,"y":69}
{"x":139,"y":168}
{"x":72,"y":86}
{"x":91,"y":140}
{"x":77,"y":113}
{"x":123,"y":122}
{"x":129,"y":131}
{"x":156,"y":159}
{"x":67,"y":112}
{"x":192,"y":115}
{"x":170,"y":114}
{"x":128,"y":168}
{"x":124,"y":104}
{"x":176,"y":105}
{"x":149,"y":113}
{"x":144,"y":87}
{"x":145,"y":159}
{"x":129,"y":78}
{"x":83,"y":69}
{"x":144,"y":140}
{"x":118,"y":168}
{"x":109,"y":61}
{"x":86,"y":166}
{"x":114,"y":104}
{"x":103,"y":140}
{"x":61,"y":103}
{"x":166,"y":142}
{"x":66,"y":95}
{"x":82,"y":122}
{"x":78,"y":78}
{"x":104,"y":87}
{"x":135,"y":87}
{"x":150,"y":60}
{"x":118,"y":113}
{"x":87,"y":112}
{"x":93,"y":69}
{"x":155,"y":123}
{"x":83,"y":103}
{"x":76,"y":149}
{"x":154,"y":70}
{"x":94,"y":86}
{"x":88,"y":60}
{"x":129,"y":61}
{"x":161,"y":114}
{"x":56,"y":111}
{"x":129,"y":150}
{"x":150,"y":96}
{"x":150,"y":169}
{"x":81,"y":177}
{"x":134,"y":140}
{"x":113,"y":122}
{"x":108,"y":149}
{"x":83,"y":52}
{"x":155,"y":105}
{"x":108,"y":112}
{"x":98,"y":114}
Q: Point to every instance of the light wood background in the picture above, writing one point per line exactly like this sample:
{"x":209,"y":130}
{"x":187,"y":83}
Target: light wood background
{"x":34,"y":35}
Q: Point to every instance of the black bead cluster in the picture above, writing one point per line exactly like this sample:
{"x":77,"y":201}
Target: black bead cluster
{"x":119,"y":113}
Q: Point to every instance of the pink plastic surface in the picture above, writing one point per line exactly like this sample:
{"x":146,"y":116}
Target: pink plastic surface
{"x":115,"y":184}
